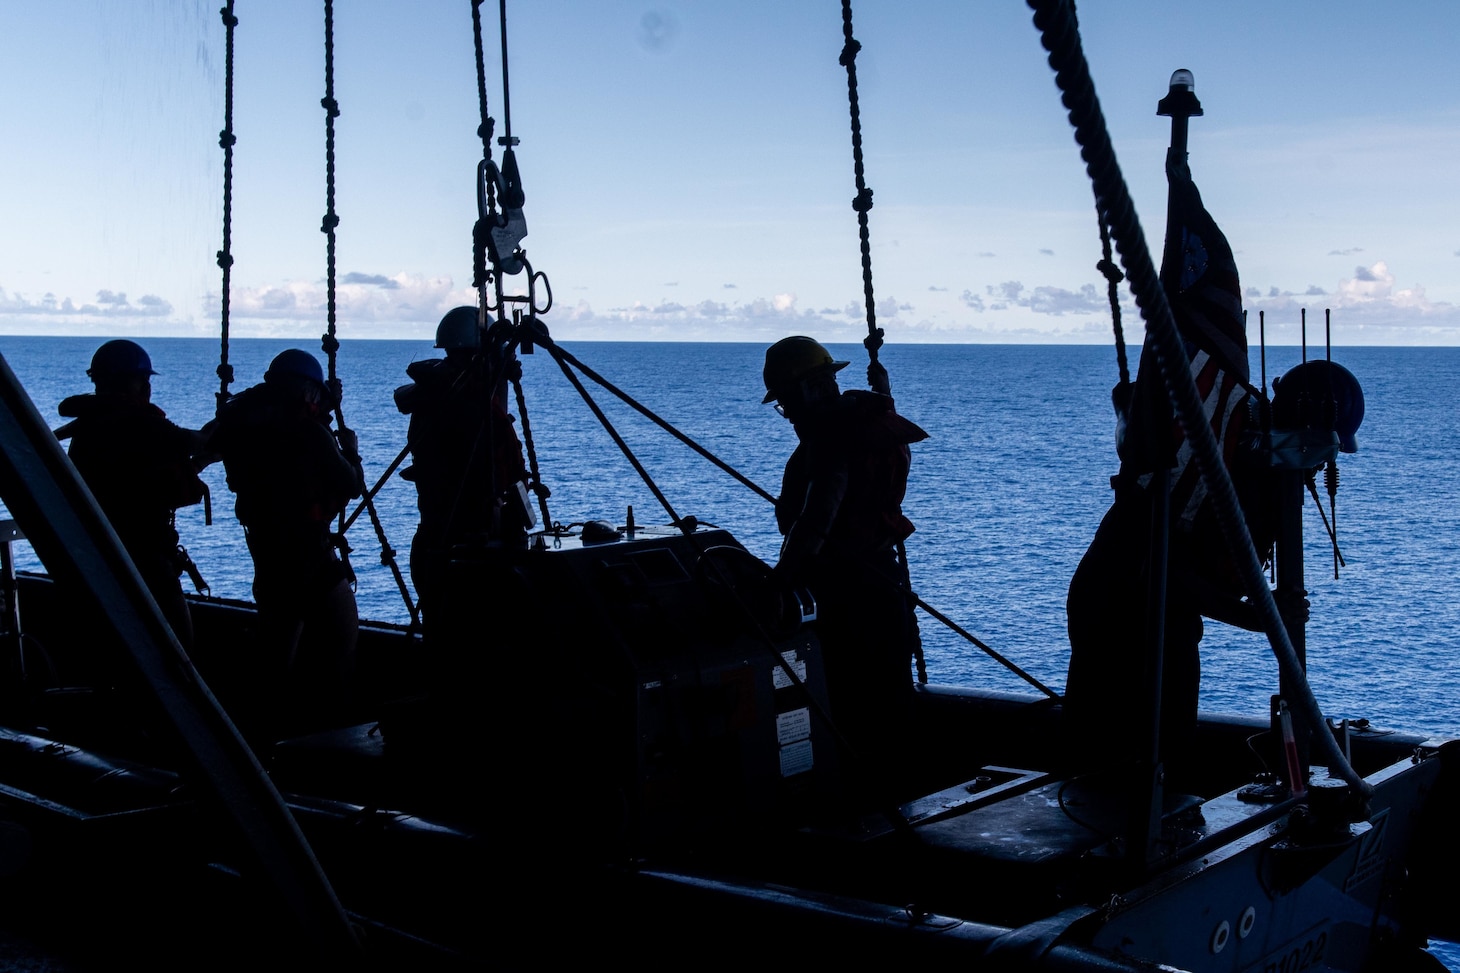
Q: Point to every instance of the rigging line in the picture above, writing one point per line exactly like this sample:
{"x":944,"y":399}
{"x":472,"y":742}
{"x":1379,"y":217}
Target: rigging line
{"x":370,"y":494}
{"x":1055,"y":20}
{"x":532,"y":468}
{"x":991,"y":653}
{"x":387,"y":558}
{"x":862,"y":202}
{"x":614,"y":434}
{"x":506,"y":88}
{"x":1113,"y":277}
{"x":484,"y":128}
{"x":226,"y":140}
{"x":331,"y":220}
{"x":666,"y":426}
{"x":328,"y":341}
{"x":1332,"y":534}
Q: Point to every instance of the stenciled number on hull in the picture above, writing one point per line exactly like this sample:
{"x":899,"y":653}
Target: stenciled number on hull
{"x":1302,"y":957}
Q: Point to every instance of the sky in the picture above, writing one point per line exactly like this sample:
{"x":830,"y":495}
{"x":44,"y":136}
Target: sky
{"x":688,"y":165}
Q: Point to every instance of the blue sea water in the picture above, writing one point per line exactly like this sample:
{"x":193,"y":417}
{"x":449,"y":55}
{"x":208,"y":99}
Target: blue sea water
{"x":1006,"y":493}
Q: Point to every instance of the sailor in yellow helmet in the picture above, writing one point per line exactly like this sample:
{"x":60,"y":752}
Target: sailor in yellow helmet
{"x":840,"y":511}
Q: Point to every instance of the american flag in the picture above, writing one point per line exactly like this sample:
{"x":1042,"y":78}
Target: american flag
{"x":1200,"y":277}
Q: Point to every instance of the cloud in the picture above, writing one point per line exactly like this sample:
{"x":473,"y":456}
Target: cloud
{"x":1314,"y":291}
{"x":987,"y":253}
{"x":936,"y":289}
{"x":377,"y":280}
{"x":1009,"y":290}
{"x":1369,"y":308}
{"x":1047,"y":253}
{"x":1045,"y":299}
{"x":730,"y":287}
{"x":972,"y":300}
{"x":361,"y":300}
{"x":107,"y":305}
{"x":1346,"y":253}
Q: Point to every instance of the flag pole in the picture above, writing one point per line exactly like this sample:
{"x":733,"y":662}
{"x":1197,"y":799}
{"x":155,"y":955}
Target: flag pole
{"x":1144,"y":827}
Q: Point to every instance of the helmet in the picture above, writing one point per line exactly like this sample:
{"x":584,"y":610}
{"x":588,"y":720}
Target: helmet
{"x":792,"y":359}
{"x":119,"y":357}
{"x":294,"y":361}
{"x":458,"y":330}
{"x":1303,"y":396}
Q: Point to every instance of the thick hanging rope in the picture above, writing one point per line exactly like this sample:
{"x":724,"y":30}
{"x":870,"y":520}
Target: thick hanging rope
{"x":331,"y":219}
{"x":226,"y":141}
{"x":862,"y":203}
{"x":328,"y":341}
{"x":1060,"y":35}
{"x":877,"y":376}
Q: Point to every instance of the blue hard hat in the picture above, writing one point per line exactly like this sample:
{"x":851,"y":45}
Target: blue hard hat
{"x":458,"y":330}
{"x":119,"y":357}
{"x":297,"y":362}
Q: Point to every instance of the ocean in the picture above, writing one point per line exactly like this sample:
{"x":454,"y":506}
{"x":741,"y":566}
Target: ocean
{"x":1006,"y":493}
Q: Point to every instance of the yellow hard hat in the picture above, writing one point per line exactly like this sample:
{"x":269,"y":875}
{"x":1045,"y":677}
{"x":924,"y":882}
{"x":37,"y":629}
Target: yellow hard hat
{"x":792,"y":359}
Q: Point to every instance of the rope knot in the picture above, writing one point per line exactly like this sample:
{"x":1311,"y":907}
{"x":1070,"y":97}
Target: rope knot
{"x":329,"y":343}
{"x":485,"y":129}
{"x":226,"y":139}
{"x":330,"y":106}
{"x":225,"y":372}
{"x":873,"y":341}
{"x":849,"y":52}
{"x":229,"y":20}
{"x":225,"y":259}
{"x":863,"y":200}
{"x":330,"y":221}
{"x":1111,"y":271}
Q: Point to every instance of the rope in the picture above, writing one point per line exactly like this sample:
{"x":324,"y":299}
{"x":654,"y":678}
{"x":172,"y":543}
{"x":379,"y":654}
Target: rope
{"x":674,"y":518}
{"x":486,"y":185}
{"x":331,"y":220}
{"x":506,"y":87}
{"x":226,"y":140}
{"x":628,"y":400}
{"x":515,"y":375}
{"x":328,"y":341}
{"x":1113,"y":277}
{"x":862,"y":203}
{"x":1060,"y":35}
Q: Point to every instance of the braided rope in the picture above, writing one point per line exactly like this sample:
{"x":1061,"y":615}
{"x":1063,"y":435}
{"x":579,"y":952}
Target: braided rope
{"x":1113,"y":277}
{"x":226,"y":141}
{"x":515,"y":376}
{"x":331,"y":220}
{"x":862,"y":203}
{"x":1060,"y":35}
